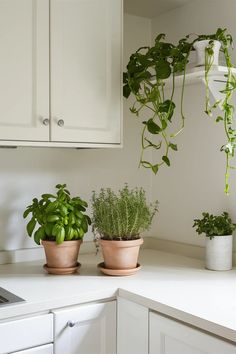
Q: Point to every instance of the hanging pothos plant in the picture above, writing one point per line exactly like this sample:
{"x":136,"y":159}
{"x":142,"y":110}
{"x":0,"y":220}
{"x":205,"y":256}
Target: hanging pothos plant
{"x":147,"y":71}
{"x":146,"y":75}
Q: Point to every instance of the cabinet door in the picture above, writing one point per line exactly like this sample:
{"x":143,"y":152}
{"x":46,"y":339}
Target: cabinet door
{"x":132,"y":328}
{"x":24,"y":69}
{"x":87,"y":329}
{"x":44,"y":349}
{"x":171,"y":337}
{"x":86,"y":70}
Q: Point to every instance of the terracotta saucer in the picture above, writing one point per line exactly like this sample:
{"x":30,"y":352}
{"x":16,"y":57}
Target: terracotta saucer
{"x":62,"y":271}
{"x":117,"y":272}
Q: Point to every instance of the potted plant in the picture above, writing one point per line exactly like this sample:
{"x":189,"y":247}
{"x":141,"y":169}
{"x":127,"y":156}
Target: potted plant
{"x":219,"y":239}
{"x":117,"y":221}
{"x":58,"y":222}
{"x":145,"y":78}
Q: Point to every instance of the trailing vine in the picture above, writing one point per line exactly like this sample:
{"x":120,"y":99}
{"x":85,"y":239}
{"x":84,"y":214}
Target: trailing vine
{"x":146,"y":75}
{"x":227,"y":116}
{"x":148,"y":71}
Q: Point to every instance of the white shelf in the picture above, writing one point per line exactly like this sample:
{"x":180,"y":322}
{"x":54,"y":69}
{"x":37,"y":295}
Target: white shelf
{"x":217,"y":78}
{"x":197,"y":74}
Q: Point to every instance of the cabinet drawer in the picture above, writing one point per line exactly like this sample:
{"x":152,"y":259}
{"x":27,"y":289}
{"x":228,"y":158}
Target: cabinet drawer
{"x":43,"y":349}
{"x":26,"y":333}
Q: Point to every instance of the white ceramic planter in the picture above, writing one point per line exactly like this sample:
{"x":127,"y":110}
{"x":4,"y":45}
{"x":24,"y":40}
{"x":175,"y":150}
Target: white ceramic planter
{"x":200,"y":52}
{"x":219,"y":252}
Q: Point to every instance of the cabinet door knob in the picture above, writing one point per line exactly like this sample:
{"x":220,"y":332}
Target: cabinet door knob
{"x":71,"y":324}
{"x":60,"y":122}
{"x":45,"y":121}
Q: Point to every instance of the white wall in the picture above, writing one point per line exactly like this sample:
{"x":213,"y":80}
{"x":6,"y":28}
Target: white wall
{"x":195,"y":181}
{"x":29,"y":172}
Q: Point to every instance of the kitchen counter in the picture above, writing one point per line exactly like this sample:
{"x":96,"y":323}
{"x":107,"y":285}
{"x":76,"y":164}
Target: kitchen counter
{"x":176,"y":286}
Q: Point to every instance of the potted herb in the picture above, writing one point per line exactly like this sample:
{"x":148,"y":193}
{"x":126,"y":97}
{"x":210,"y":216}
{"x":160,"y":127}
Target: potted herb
{"x":58,"y":222}
{"x":145,"y":79}
{"x":118,"y":220}
{"x":219,"y":239}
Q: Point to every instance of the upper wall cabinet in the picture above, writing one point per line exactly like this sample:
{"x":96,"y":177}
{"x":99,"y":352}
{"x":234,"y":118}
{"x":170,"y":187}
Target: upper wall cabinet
{"x":60,"y":72}
{"x":24,"y":69}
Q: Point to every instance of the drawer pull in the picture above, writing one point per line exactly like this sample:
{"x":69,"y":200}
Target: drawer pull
{"x":60,"y":122}
{"x":46,"y":121}
{"x":71,"y":324}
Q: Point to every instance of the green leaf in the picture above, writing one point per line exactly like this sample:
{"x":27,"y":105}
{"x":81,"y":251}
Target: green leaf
{"x":52,"y":206}
{"x":155,"y":168}
{"x":47,"y":196}
{"x":126,"y":91}
{"x":26,"y":212}
{"x":48,"y":229}
{"x":30,"y":226}
{"x":163,"y":124}
{"x":60,"y":237}
{"x":69,"y":233}
{"x":146,"y":164}
{"x":163,"y":70}
{"x":155,"y":146}
{"x":167,"y":107}
{"x":88,"y":220}
{"x":52,"y":218}
{"x":166,"y":160}
{"x":71,"y":218}
{"x":152,"y":127}
{"x":173,"y":146}
{"x":55,"y":230}
{"x":81,"y":233}
{"x":219,"y":118}
{"x":37,"y":237}
{"x":84,"y":225}
{"x":63,"y":209}
{"x":159,"y":37}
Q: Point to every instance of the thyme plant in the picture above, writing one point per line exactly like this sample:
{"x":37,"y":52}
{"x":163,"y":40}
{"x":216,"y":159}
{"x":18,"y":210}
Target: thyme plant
{"x":123,"y":215}
{"x":211,"y":225}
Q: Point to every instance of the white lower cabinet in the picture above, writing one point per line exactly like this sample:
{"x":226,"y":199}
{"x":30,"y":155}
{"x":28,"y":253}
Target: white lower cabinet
{"x":44,"y":349}
{"x":168,"y":336}
{"x":132,"y":328}
{"x":26,"y":333}
{"x":86,"y":329}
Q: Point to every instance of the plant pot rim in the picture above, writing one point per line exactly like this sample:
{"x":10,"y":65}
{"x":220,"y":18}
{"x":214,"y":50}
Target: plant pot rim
{"x":230,"y":235}
{"x":67,"y":243}
{"x":122,"y":243}
{"x":206,"y":41}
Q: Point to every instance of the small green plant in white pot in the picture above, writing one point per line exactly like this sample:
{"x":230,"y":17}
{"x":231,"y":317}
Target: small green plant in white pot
{"x":219,"y":240}
{"x":118,"y":220}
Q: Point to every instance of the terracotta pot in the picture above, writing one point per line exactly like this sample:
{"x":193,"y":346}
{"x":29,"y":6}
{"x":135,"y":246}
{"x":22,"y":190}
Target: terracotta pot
{"x":120,"y":254}
{"x":64,"y":255}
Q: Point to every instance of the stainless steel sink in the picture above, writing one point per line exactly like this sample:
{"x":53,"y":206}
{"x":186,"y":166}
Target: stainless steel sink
{"x":8,"y":298}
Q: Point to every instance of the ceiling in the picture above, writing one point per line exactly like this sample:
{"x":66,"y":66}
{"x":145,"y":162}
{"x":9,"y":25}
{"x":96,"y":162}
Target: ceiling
{"x":151,"y":8}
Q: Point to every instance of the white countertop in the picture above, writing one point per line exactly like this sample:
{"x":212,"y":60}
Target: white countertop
{"x":173,"y":285}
